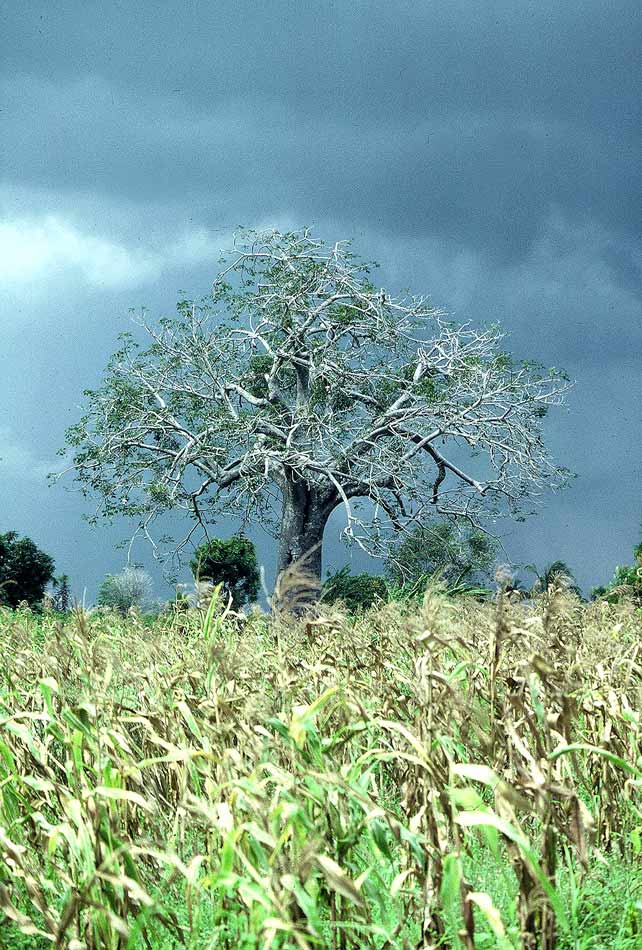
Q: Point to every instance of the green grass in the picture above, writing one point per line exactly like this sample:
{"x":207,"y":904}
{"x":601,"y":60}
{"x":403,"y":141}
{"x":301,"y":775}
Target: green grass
{"x":604,"y":909}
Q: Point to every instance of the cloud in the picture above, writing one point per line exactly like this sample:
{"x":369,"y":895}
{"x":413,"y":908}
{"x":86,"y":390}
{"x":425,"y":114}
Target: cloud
{"x":39,"y":249}
{"x":400,"y":58}
{"x":19,"y":462}
{"x":486,"y":174}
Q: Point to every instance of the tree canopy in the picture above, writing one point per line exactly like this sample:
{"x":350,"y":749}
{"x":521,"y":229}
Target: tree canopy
{"x":556,"y":574}
{"x":459,"y":555}
{"x":356,"y":591}
{"x":132,"y":588}
{"x":231,"y":562}
{"x":62,"y":593}
{"x":297,"y":386}
{"x":625,"y":583}
{"x":25,"y":570}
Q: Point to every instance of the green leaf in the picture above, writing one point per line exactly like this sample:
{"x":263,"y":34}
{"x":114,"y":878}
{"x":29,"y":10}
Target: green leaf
{"x":338,"y":880}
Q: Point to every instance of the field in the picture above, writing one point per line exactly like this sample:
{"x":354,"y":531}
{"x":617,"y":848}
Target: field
{"x":451,"y":774}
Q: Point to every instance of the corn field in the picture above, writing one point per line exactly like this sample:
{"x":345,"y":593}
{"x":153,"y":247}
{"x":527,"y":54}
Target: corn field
{"x":452,"y":775}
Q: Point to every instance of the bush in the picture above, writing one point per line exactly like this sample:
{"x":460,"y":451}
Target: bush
{"x":233,"y":564}
{"x":356,"y":591}
{"x":25,"y":571}
{"x":131,"y":588}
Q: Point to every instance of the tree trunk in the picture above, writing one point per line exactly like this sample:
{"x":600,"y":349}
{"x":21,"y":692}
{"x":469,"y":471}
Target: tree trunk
{"x":304,"y":517}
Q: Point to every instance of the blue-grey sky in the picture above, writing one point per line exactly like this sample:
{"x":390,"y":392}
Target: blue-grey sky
{"x":488,"y":154}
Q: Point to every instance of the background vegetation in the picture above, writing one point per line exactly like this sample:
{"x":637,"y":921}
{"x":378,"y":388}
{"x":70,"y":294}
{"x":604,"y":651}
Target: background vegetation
{"x":25,"y":570}
{"x":232,"y":563}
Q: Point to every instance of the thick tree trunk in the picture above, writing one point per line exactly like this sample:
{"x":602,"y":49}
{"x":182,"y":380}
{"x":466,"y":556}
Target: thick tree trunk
{"x":304,"y":517}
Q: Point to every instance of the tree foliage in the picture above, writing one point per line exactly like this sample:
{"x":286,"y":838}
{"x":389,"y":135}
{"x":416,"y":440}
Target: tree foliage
{"x":556,"y":574}
{"x":625,"y":583}
{"x":122,"y":592}
{"x":231,"y":562}
{"x":297,"y":386}
{"x":356,"y":591}
{"x":456,"y":554}
{"x":62,"y":593}
{"x":25,"y":571}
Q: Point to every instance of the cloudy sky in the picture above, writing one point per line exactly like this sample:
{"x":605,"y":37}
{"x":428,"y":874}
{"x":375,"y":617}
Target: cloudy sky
{"x":488,"y":154}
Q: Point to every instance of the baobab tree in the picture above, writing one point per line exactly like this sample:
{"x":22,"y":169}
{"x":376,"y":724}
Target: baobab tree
{"x":298,"y":386}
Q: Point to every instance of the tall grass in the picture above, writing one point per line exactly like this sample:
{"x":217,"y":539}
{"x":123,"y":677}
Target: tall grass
{"x":459,"y":775}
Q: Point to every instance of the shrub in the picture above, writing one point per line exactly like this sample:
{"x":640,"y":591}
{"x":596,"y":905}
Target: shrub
{"x":357,"y":591}
{"x":131,"y":588}
{"x":232,"y":563}
{"x":25,"y":571}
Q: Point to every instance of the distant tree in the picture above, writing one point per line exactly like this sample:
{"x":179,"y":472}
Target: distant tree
{"x":233,"y":564}
{"x":557,"y":574}
{"x":61,"y":594}
{"x":299,"y":386}
{"x":25,"y":571}
{"x":356,"y":591}
{"x":131,"y":588}
{"x":625,"y":583}
{"x":457,"y":555}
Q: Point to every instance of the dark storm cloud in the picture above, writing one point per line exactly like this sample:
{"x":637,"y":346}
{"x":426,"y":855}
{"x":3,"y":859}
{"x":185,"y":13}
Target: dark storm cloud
{"x":486,"y":153}
{"x":468,"y":121}
{"x":489,"y":181}
{"x":575,"y":61}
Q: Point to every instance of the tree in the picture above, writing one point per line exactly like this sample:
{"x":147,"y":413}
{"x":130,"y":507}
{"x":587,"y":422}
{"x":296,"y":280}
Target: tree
{"x":557,"y":574}
{"x":131,"y":588}
{"x":62,"y":594}
{"x":625,"y":583}
{"x":357,"y":591}
{"x":459,"y":555}
{"x":25,"y":571}
{"x":233,"y":564}
{"x":297,"y":386}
